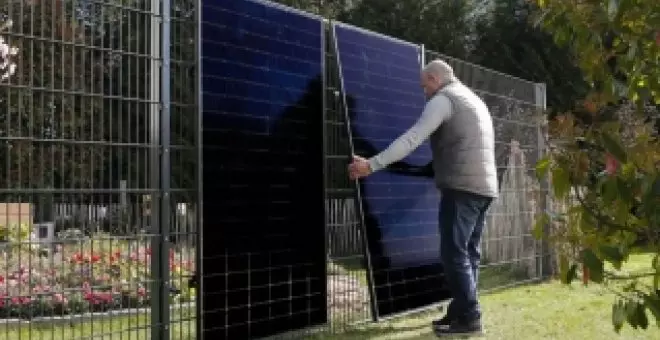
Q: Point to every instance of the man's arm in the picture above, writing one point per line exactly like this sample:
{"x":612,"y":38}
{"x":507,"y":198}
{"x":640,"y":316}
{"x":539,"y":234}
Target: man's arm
{"x":436,"y":111}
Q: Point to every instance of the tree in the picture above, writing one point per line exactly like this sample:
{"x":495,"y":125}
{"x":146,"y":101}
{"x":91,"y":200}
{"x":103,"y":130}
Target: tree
{"x":325,"y":8}
{"x":607,"y":173}
{"x":508,"y":41}
{"x":443,"y":26}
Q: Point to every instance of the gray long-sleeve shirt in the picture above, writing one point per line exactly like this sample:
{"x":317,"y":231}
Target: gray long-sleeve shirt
{"x":436,"y":111}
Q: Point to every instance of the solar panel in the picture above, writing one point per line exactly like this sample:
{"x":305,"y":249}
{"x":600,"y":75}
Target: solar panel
{"x":400,"y":205}
{"x":263,"y":246}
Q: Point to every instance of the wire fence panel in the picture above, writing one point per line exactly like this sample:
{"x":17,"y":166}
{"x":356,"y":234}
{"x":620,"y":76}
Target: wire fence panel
{"x":100,"y":200}
{"x":88,"y":192}
{"x":348,"y":286}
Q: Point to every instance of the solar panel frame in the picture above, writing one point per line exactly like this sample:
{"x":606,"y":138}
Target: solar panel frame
{"x":379,"y":283}
{"x":217,"y":268}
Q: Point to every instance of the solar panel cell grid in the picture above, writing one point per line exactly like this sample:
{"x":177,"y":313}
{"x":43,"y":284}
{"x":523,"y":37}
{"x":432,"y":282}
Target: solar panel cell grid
{"x":264,"y":242}
{"x":383,"y":98}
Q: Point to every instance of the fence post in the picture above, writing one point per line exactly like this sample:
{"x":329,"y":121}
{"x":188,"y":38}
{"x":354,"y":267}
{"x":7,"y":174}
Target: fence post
{"x":199,"y":250}
{"x":545,"y":267}
{"x":160,"y":164}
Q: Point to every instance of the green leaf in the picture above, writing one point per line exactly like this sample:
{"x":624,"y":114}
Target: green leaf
{"x":594,"y":264}
{"x":542,"y":167}
{"x":640,"y":316}
{"x":618,"y":315}
{"x":609,"y":190}
{"x":614,"y":147}
{"x":561,"y":184}
{"x":571,"y":274}
{"x":631,"y":313}
{"x":623,"y":188}
{"x":613,"y":255}
{"x":539,"y":226}
{"x":567,"y":271}
{"x":656,"y":278}
{"x":652,"y":302}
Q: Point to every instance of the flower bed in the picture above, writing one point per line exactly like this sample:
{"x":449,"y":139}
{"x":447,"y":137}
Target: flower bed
{"x":96,"y":274}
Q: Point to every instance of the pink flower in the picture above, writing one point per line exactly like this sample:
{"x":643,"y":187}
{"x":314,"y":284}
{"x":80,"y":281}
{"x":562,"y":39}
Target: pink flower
{"x":141,"y":291}
{"x":86,"y":287}
{"x":611,"y":164}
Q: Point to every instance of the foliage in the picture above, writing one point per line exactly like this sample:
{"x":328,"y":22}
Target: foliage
{"x":15,"y":232}
{"x":415,"y":21}
{"x":95,"y":274}
{"x":616,"y":42}
{"x":326,"y":8}
{"x":508,"y":41}
{"x":607,"y":173}
{"x":443,"y":26}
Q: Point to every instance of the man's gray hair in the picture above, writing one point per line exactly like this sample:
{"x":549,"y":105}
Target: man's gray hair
{"x":440,"y":69}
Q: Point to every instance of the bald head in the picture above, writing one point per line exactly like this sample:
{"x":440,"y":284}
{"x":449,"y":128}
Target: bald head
{"x":434,"y":75}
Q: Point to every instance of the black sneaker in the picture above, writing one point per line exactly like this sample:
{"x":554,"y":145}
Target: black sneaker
{"x":458,"y":328}
{"x":445,"y":322}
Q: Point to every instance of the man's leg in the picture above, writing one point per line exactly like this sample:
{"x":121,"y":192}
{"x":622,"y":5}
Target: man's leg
{"x":459,"y":214}
{"x":474,"y":247}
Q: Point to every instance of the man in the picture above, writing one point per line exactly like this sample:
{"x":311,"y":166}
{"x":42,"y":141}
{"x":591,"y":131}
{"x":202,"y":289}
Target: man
{"x":463,"y":145}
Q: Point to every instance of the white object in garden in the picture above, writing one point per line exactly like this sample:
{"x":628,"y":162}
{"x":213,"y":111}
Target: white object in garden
{"x":43,"y":234}
{"x":7,"y":54}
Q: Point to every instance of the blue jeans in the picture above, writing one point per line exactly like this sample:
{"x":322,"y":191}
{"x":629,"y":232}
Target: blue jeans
{"x":462,"y":218}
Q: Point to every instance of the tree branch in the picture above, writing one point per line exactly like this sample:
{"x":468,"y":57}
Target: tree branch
{"x":602,"y":219}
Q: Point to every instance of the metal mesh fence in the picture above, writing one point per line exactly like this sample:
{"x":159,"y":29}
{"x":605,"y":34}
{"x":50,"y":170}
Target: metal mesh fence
{"x":99,"y":192}
{"x":99,"y":152}
{"x":348,"y":293}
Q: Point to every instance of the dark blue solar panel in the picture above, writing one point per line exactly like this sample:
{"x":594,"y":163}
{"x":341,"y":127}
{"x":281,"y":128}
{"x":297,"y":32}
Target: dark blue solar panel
{"x":400,"y":204}
{"x":263,"y":246}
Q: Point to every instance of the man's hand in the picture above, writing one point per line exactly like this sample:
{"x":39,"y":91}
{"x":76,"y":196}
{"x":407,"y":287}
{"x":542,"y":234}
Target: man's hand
{"x":359,"y":168}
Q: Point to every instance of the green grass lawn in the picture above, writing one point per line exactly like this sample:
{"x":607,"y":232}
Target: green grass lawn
{"x":548,"y":310}
{"x":541,"y":311}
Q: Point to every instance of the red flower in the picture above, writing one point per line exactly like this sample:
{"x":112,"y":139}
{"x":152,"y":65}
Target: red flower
{"x":2,"y":279}
{"x":76,"y":258}
{"x":141,"y":291}
{"x":611,"y":164}
{"x":96,"y":258}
